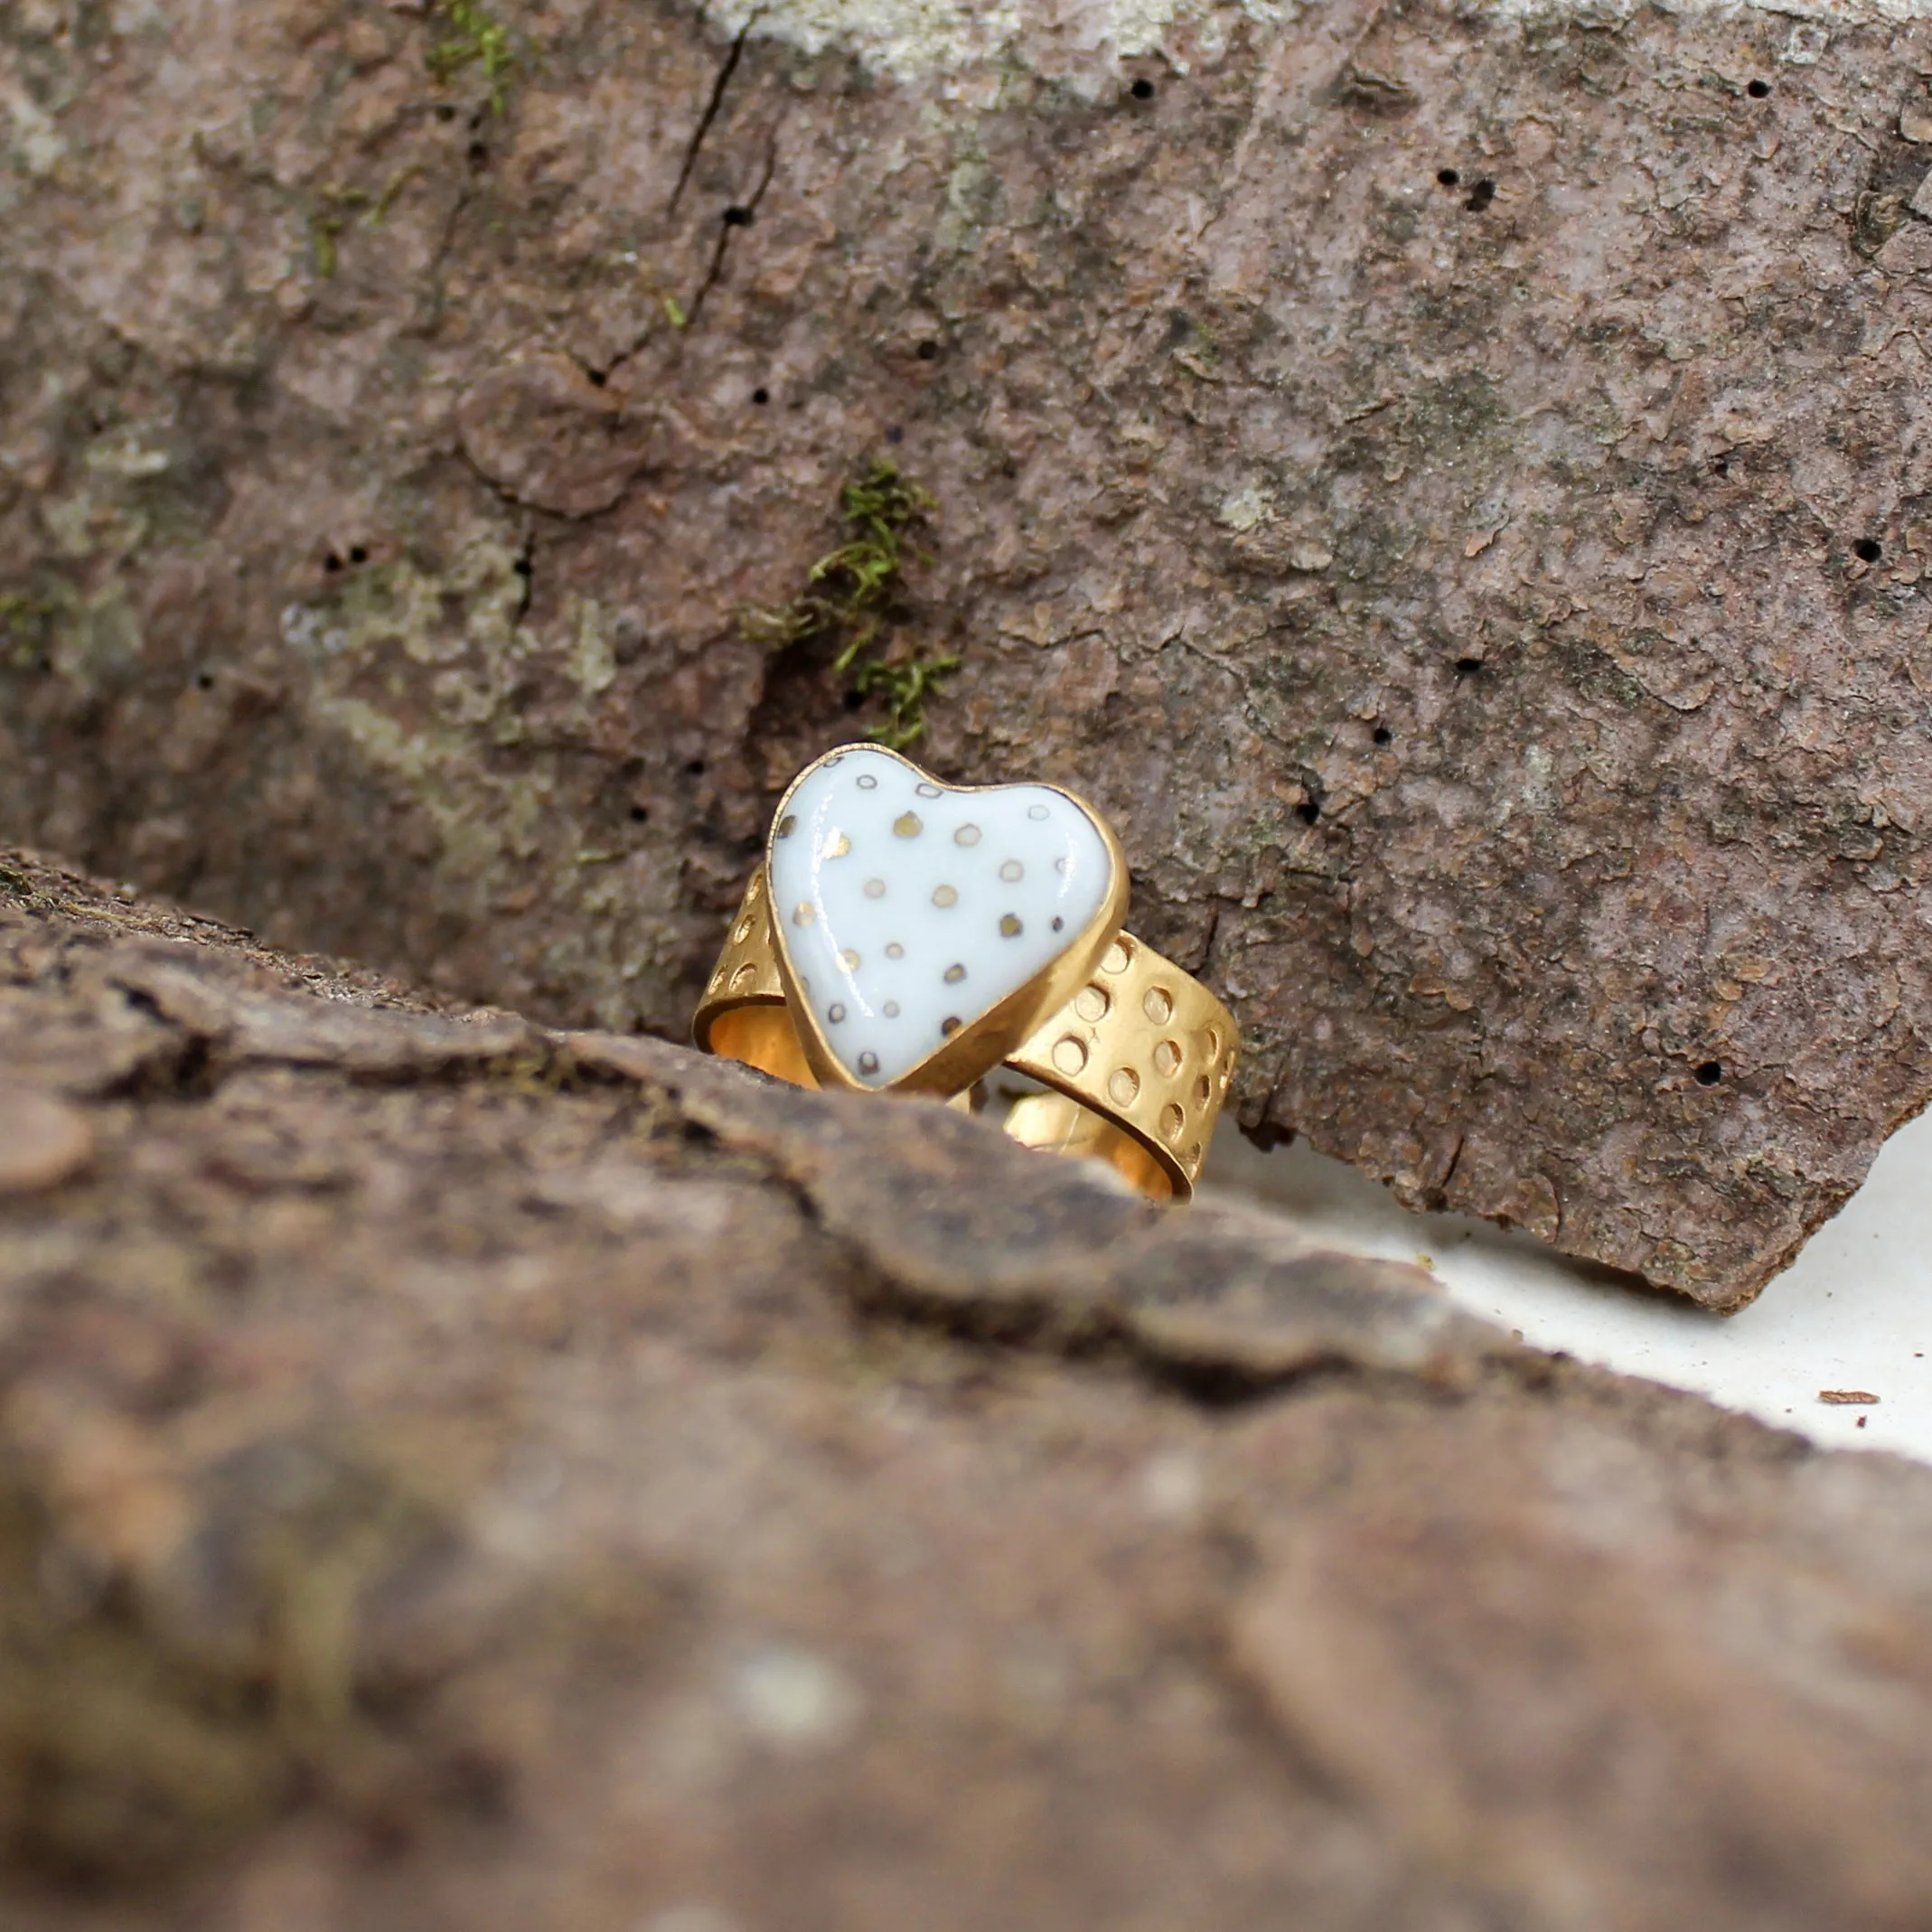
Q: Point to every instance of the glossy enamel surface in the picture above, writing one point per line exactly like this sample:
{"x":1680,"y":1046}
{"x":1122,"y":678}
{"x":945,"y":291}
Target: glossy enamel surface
{"x":908,"y":910}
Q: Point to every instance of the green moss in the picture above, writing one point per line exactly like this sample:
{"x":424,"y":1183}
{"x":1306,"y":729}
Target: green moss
{"x":339,"y":206}
{"x":380,"y":207}
{"x":849,"y":600}
{"x":326,"y":223}
{"x":91,"y":643}
{"x":322,"y":230}
{"x":24,"y":624}
{"x":472,"y":38}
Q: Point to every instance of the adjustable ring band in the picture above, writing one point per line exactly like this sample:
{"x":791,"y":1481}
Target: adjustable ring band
{"x":897,"y":895}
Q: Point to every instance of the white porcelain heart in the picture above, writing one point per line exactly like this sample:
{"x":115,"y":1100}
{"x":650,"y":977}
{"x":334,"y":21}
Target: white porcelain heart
{"x":907,"y":909}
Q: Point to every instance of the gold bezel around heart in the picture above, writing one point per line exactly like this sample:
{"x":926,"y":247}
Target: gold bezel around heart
{"x":979,"y":1043}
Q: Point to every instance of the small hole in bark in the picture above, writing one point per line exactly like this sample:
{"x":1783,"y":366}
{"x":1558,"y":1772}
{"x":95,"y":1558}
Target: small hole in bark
{"x":1468,"y":667}
{"x":1450,"y":177}
{"x":383,"y":1840}
{"x":1383,"y":736}
{"x":1758,"y":90}
{"x":1720,"y":462}
{"x":358,"y":555}
{"x":760,"y":396}
{"x":1142,"y":89}
{"x":1309,"y":811}
{"x":895,"y":436}
{"x":737,"y":217}
{"x":694,"y":769}
{"x":446,"y":112}
{"x":1709,"y":1073}
{"x":1480,"y":195}
{"x":927,"y":351}
{"x":479,"y":156}
{"x":597,"y":378}
{"x":522,"y":567}
{"x":1867,"y":549}
{"x":474,"y":1785}
{"x":332,"y":562}
{"x":204,"y":681}
{"x":854,"y":700}
{"x":640,"y":815}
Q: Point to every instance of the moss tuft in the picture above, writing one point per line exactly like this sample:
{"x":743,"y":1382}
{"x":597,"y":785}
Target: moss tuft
{"x":25,"y":623}
{"x":849,"y":602}
{"x":339,"y":206}
{"x":472,"y":39}
{"x":322,"y":231}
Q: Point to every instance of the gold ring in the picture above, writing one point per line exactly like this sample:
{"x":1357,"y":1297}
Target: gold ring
{"x":908,"y":936}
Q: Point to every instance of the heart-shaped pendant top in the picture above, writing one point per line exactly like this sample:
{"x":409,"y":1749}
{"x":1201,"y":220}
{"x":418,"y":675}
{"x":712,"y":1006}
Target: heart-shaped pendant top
{"x":910,"y":912}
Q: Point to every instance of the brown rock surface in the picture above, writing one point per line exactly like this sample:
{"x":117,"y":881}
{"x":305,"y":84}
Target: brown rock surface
{"x":454,"y":1475}
{"x":1492,"y":612}
{"x":43,"y":1141}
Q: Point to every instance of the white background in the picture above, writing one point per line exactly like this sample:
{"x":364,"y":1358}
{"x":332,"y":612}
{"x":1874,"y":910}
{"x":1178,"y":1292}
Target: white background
{"x":1853,"y":1311}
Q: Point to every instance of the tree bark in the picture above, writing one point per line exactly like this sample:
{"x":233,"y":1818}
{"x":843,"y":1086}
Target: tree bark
{"x":1489,"y":608}
{"x":458,"y":1475}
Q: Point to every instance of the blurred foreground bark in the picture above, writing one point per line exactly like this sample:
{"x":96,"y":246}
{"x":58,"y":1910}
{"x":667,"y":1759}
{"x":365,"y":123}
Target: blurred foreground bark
{"x":455,"y":1476}
{"x":1453,"y":489}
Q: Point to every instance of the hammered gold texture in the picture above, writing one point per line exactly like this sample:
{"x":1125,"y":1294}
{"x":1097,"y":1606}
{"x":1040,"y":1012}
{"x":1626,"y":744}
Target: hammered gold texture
{"x":1143,"y":1045}
{"x":747,"y":969}
{"x":1146,"y":1045}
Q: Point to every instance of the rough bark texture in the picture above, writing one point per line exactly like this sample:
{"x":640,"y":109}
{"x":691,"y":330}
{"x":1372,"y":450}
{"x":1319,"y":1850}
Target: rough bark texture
{"x":1491,"y":613}
{"x":459,"y":1475}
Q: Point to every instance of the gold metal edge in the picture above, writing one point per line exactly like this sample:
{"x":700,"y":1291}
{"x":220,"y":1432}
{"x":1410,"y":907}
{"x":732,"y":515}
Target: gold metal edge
{"x":1162,"y":1075}
{"x":746,"y":972}
{"x":977,"y":1049}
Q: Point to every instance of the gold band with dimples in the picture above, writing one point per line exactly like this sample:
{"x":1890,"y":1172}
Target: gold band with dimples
{"x":908,"y":936}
